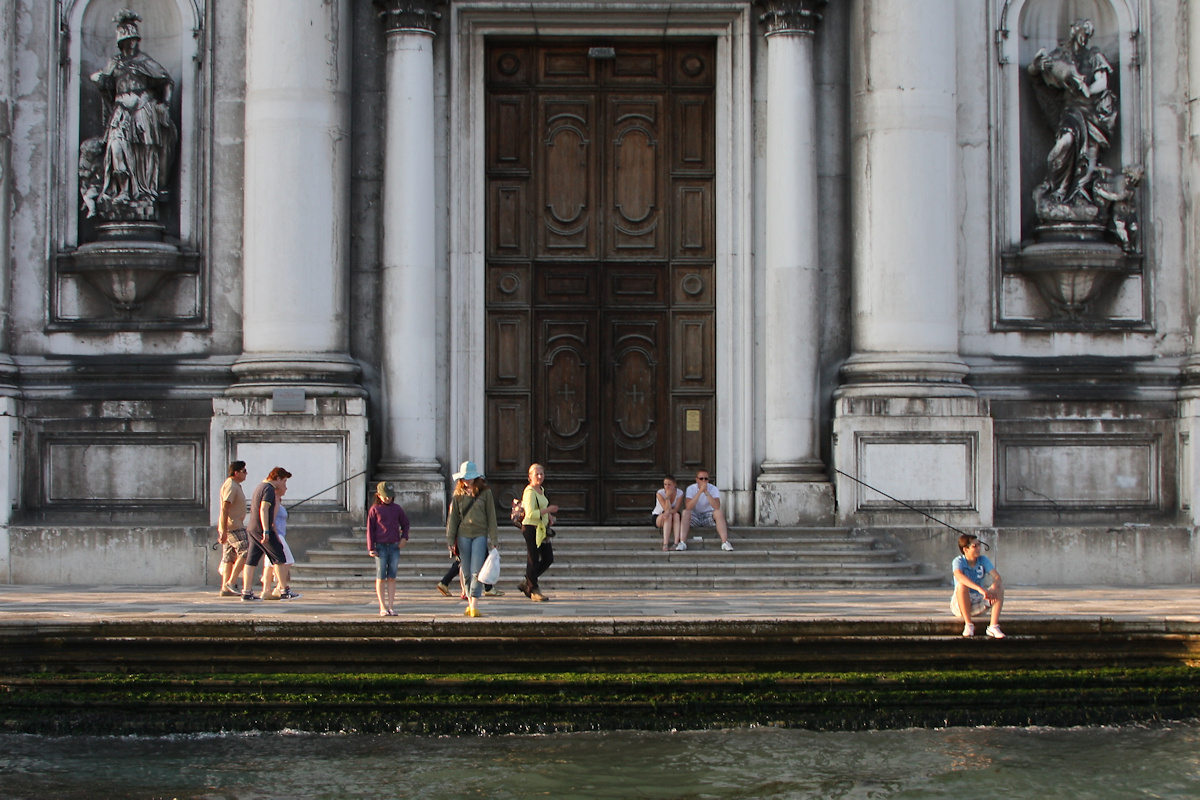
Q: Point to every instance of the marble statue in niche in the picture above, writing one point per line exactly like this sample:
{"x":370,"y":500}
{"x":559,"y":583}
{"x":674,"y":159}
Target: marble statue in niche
{"x":1072,"y":87}
{"x":125,"y":173}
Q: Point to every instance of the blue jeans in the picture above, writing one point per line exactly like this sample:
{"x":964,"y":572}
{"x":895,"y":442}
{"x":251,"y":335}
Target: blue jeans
{"x":472,"y":553}
{"x":387,"y":560}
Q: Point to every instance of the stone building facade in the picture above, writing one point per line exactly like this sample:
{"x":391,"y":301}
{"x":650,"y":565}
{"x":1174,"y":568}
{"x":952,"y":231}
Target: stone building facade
{"x":866,"y":260}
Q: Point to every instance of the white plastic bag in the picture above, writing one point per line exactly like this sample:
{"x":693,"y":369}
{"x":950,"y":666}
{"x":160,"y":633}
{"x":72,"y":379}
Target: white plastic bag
{"x":489,"y":573}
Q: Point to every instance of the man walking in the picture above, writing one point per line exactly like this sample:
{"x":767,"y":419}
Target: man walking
{"x":231,"y":527}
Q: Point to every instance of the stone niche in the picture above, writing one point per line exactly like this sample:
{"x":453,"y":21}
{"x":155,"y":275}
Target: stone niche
{"x":128,"y":226}
{"x":1072,"y":184}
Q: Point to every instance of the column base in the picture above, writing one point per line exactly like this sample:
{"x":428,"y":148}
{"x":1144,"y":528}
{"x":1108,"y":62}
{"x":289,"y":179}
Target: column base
{"x":420,"y":489}
{"x":320,"y":375}
{"x":934,"y":453}
{"x":794,"y":494}
{"x":904,"y":375}
{"x":322,"y":446}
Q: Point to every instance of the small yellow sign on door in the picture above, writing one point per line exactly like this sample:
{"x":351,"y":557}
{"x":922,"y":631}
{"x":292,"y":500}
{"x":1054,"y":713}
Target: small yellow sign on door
{"x":693,"y":420}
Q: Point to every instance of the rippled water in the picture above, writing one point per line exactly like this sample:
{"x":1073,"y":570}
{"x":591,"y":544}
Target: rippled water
{"x":1158,"y":762}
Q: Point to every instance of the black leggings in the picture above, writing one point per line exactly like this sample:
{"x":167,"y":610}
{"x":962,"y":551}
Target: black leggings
{"x":538,"y":559}
{"x":453,"y":573}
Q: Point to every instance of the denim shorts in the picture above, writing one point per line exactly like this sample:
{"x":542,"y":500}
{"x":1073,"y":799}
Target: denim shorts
{"x":387,"y":560}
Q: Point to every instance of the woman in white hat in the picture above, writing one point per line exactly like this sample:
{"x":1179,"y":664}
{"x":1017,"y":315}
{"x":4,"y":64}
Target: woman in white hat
{"x":471,"y":528}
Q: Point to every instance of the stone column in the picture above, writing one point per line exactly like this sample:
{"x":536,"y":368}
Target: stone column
{"x":297,"y":403}
{"x":1189,"y":395}
{"x":297,"y":198}
{"x":7,"y":43}
{"x":9,"y":411}
{"x":792,"y":487}
{"x":904,"y":420}
{"x":904,"y":202}
{"x":409,"y":313}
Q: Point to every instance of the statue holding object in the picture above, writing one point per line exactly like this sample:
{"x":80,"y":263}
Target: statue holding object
{"x":139,"y":139}
{"x":1072,"y":88}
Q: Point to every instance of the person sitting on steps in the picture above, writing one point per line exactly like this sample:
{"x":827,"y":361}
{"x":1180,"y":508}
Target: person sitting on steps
{"x":970,"y":598}
{"x":668,"y":501}
{"x":702,"y":509}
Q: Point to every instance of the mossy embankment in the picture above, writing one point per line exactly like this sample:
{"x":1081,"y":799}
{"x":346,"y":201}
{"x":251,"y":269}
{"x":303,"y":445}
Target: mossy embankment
{"x":155,"y":704}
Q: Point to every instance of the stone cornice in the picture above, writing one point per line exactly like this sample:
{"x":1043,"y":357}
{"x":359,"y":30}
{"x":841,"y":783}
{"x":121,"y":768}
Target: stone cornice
{"x":408,"y":15}
{"x":790,"y":16}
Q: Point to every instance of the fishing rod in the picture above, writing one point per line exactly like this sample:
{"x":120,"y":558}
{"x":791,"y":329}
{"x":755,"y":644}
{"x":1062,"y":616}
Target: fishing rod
{"x":323,"y":491}
{"x":217,"y":545}
{"x":906,"y":505}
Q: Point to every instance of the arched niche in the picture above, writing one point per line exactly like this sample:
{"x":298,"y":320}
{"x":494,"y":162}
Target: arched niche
{"x":171,"y":33}
{"x":1024,"y":137}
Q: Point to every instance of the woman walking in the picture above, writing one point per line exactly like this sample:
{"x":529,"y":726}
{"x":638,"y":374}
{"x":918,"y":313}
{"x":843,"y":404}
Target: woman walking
{"x":282,"y":572}
{"x":387,"y":532}
{"x":539,"y":516}
{"x":471,"y":528}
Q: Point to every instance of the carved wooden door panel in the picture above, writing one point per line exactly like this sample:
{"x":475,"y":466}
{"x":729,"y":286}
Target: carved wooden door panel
{"x":600,"y":254}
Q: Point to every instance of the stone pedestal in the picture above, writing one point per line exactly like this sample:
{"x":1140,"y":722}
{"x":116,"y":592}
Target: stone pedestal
{"x":322,"y":444}
{"x":932,"y":453}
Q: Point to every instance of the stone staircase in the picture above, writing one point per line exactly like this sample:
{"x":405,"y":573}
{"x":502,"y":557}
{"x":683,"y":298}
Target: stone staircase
{"x":631,"y":558}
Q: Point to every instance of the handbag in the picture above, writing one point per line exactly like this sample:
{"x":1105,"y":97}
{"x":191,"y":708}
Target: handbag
{"x":517,"y":515}
{"x":489,"y":573}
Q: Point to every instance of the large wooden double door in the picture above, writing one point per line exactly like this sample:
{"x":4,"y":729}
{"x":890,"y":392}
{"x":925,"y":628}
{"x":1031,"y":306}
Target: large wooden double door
{"x":600,"y":256}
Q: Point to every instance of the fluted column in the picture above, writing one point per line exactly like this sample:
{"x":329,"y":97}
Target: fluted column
{"x":791,"y":272}
{"x":297,"y":197}
{"x":905,"y":277}
{"x":409,"y":313}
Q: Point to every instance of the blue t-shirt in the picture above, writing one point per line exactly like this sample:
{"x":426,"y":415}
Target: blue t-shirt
{"x":983,"y":565}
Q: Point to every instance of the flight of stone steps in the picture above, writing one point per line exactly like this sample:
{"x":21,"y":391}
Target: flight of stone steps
{"x":632,"y":558}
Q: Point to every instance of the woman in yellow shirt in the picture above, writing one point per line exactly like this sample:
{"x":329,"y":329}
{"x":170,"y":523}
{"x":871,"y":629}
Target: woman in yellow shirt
{"x":539,"y":516}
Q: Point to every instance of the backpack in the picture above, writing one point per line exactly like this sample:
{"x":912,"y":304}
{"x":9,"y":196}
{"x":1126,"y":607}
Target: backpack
{"x":517,"y":515}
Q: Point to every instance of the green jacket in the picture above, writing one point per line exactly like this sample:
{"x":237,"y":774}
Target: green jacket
{"x":472,"y":517}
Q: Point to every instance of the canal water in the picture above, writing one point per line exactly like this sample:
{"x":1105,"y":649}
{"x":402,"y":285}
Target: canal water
{"x":1127,"y":762}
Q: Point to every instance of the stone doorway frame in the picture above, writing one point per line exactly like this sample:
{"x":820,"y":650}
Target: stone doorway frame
{"x":731,"y":25}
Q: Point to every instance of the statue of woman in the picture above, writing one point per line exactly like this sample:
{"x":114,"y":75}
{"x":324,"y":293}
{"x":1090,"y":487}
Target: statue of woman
{"x":140,"y":137}
{"x":1072,"y":88}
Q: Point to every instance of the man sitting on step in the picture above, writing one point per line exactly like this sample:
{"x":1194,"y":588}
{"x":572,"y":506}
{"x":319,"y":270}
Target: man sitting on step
{"x":970,"y":598}
{"x":702,"y":509}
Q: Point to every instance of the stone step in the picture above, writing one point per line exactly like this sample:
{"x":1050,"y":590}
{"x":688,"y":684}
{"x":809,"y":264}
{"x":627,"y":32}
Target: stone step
{"x":630,"y":557}
{"x":635,"y":545}
{"x":726,"y":582}
{"x":584,"y":558}
{"x":715,"y":566}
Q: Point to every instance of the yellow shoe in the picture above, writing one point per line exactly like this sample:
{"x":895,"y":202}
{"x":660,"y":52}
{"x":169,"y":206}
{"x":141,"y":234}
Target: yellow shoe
{"x":473,"y":612}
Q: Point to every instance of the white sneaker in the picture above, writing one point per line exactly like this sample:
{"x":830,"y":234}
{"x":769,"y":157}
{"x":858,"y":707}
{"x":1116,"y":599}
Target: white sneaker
{"x":995,"y":632}
{"x":681,"y":546}
{"x":726,"y":546}
{"x":968,"y":629}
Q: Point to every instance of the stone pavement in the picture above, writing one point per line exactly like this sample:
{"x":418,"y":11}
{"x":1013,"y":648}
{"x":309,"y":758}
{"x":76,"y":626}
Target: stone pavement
{"x":90,"y":604}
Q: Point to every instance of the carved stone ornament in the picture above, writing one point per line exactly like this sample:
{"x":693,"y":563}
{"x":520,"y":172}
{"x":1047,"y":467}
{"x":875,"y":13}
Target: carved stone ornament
{"x":791,"y":16}
{"x":124,"y":173}
{"x":408,"y":15}
{"x":1088,"y":234}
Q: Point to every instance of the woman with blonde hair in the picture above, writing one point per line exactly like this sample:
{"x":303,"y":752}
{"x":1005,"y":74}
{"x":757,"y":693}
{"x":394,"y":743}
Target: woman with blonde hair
{"x":471,"y":529}
{"x":539,"y":516}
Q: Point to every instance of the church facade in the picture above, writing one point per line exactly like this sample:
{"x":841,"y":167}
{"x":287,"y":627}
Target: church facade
{"x":891,"y":265}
